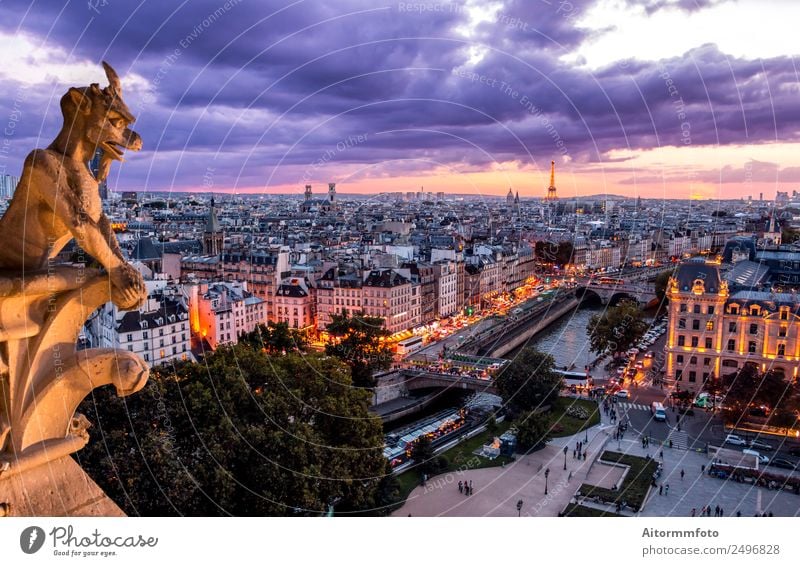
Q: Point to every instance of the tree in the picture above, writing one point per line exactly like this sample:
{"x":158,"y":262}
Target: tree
{"x":275,"y":338}
{"x":423,"y":455}
{"x":243,"y":433}
{"x":748,"y":387}
{"x":360,"y":342}
{"x":529,"y":381}
{"x":616,"y":329}
{"x":533,"y":430}
{"x":661,"y":282}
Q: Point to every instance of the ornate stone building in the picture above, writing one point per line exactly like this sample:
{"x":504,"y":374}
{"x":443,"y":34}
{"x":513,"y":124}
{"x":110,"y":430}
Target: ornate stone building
{"x":714,"y":330}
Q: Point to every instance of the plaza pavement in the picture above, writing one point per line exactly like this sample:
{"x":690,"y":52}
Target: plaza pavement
{"x":497,"y":490}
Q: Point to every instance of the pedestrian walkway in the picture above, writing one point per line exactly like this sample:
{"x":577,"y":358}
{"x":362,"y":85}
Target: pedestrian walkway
{"x":697,"y":489}
{"x":633,"y":407}
{"x":679,"y":439}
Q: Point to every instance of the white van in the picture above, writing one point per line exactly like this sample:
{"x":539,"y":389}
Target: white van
{"x":659,"y":413}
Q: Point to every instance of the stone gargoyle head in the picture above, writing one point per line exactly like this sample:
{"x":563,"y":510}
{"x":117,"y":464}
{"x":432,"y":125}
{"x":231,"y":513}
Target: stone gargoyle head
{"x":101,"y":118}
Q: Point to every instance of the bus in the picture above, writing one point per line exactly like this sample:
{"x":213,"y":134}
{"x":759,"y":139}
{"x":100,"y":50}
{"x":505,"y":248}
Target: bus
{"x":610,"y":281}
{"x":575,"y":380}
{"x":659,"y":413}
{"x":409,"y":346}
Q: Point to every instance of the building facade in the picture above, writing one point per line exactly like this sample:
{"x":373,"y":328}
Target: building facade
{"x":714,"y":331}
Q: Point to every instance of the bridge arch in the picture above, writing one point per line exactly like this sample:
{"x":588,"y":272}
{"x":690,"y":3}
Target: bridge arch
{"x":586,"y":295}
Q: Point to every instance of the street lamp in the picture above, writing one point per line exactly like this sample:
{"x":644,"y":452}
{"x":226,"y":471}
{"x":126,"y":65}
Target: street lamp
{"x":565,"y":457}
{"x":546,"y":473}
{"x":519,"y":508}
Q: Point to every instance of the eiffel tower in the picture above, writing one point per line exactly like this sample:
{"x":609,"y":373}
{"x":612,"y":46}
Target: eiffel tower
{"x":551,"y":190}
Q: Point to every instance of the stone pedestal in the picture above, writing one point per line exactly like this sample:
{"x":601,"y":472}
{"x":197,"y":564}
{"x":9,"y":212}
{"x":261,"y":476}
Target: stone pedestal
{"x":59,"y":488}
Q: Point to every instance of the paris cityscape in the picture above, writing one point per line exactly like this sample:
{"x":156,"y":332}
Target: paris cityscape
{"x":417,"y":260}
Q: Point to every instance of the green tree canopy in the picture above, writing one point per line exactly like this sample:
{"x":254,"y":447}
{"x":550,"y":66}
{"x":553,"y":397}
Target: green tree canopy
{"x":662,"y":280}
{"x":241,"y":433}
{"x":533,"y":430}
{"x":275,"y":338}
{"x":360,"y":343}
{"x":529,"y":381}
{"x":617,"y":328}
{"x":748,"y":386}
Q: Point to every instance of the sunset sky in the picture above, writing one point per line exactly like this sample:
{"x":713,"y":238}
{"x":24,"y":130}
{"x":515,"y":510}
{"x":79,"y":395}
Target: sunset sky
{"x":661,"y":98}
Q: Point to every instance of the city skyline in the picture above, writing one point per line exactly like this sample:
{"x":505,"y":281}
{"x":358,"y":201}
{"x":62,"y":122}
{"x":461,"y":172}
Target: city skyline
{"x":460,"y":97}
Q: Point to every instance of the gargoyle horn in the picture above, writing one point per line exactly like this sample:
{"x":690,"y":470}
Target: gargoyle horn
{"x":113,"y":78}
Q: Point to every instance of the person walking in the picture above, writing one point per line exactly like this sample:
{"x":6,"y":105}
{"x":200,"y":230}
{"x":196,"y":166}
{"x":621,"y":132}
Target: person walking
{"x":682,"y":473}
{"x":716,"y":511}
{"x":721,"y":512}
{"x":460,"y":487}
{"x":470,"y":487}
{"x":693,"y":511}
{"x":661,"y":489}
{"x":666,"y":489}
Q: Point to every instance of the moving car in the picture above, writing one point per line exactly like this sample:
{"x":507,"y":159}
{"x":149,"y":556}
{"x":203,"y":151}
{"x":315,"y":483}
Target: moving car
{"x":760,"y":445}
{"x":659,"y":413}
{"x":649,"y":354}
{"x":735,"y":440}
{"x":622,"y":394}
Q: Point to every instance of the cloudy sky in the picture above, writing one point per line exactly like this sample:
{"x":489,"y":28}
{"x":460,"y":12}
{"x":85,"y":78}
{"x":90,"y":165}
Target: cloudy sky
{"x":658,"y":98}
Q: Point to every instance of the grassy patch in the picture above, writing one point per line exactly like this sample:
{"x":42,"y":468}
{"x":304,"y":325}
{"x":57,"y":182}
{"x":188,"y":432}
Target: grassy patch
{"x":633,"y":489}
{"x":459,"y":458}
{"x":565,"y":425}
{"x":576,"y":510}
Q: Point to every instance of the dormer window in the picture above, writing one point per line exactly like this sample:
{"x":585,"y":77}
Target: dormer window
{"x":733,"y":309}
{"x":754,"y":310}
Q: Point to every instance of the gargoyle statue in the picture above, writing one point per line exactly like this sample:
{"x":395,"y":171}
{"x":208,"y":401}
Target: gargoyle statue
{"x":44,"y":305}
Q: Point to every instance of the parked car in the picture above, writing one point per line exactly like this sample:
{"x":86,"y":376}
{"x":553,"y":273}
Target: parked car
{"x":622,"y":394}
{"x":760,"y":445}
{"x":781,"y":463}
{"x":735,"y":440}
{"x":794,"y":451}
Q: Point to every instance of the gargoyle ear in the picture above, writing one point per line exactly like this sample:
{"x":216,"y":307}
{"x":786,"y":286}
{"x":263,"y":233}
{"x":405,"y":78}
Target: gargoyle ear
{"x":82,"y":102}
{"x":113,"y":78}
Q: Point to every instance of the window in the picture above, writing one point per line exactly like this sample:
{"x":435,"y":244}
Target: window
{"x":679,"y":358}
{"x":781,"y":349}
{"x":682,"y":323}
{"x":782,"y":331}
{"x":710,"y":325}
{"x":696,"y":309}
{"x":734,"y":309}
{"x":731,"y":327}
{"x":695,"y":341}
{"x":678,"y":375}
{"x":784,"y":314}
{"x":709,"y":342}
{"x":754,"y":310}
{"x":711,"y":309}
{"x":692,"y":376}
{"x":730,"y":364}
{"x":693,"y":360}
{"x":144,"y":334}
{"x":130,"y":337}
{"x":681,"y":340}
{"x":751,"y":347}
{"x":706,"y":361}
{"x":695,"y":324}
{"x":146,"y":357}
{"x":683,"y":307}
{"x":753,"y":329}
